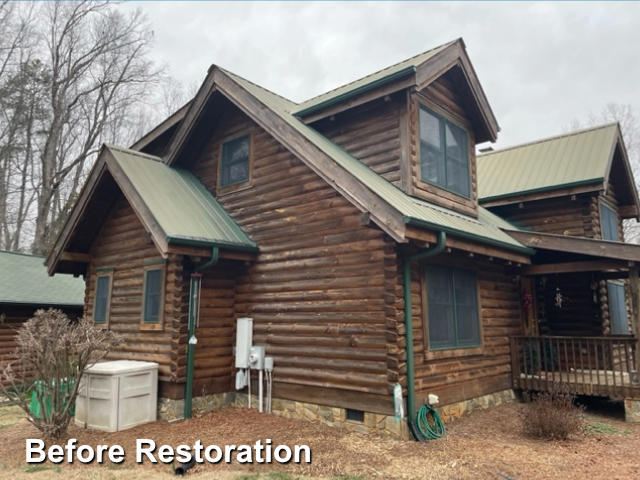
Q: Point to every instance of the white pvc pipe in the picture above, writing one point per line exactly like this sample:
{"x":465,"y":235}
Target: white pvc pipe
{"x":260,"y":395}
{"x":249,"y":387}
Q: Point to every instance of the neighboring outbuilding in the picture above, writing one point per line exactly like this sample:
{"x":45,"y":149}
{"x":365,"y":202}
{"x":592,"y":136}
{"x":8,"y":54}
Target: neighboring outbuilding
{"x":348,"y":228}
{"x":25,"y":287}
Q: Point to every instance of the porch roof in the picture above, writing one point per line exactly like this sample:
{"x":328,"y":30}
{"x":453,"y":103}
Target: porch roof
{"x":604,"y":249}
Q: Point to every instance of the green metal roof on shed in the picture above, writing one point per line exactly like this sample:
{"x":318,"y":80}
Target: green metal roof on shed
{"x":24,"y":280}
{"x":577,"y":158}
{"x":183,"y":208}
{"x":485,"y":229}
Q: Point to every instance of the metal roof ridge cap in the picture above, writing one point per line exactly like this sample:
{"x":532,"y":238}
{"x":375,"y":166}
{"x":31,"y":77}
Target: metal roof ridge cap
{"x":548,"y":139}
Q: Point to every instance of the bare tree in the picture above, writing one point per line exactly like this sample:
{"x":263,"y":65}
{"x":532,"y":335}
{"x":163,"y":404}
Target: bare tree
{"x":52,"y":355}
{"x":625,"y":116}
{"x":97,"y":59}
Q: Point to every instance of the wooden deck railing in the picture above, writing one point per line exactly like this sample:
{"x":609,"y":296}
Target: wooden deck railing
{"x":602,"y":366}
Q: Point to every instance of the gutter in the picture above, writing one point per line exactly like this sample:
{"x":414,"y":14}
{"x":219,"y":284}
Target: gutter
{"x":470,"y":236}
{"x":357,"y":91}
{"x":408,"y":324}
{"x":204,"y":243}
{"x":194,"y":315}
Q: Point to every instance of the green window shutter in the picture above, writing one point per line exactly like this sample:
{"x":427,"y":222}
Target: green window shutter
{"x":609,"y":223}
{"x":452,"y":305}
{"x":234,"y":167}
{"x":618,"y":309}
{"x":101,"y":299}
{"x":444,"y":153}
{"x":152,"y":294}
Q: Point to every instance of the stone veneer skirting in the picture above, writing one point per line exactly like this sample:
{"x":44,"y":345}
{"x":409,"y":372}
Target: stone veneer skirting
{"x":632,"y":410}
{"x":333,"y":416}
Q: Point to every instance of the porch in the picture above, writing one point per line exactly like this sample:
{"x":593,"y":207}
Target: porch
{"x":600,"y":366}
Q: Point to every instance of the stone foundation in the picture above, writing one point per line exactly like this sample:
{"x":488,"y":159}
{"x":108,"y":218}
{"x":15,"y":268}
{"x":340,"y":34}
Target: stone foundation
{"x":384,"y":425}
{"x":632,"y":410}
{"x":448,"y":413}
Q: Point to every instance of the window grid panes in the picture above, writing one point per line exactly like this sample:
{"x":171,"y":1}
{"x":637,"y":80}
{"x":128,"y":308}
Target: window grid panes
{"x":152,"y":293}
{"x":609,"y":223}
{"x":235,"y":161}
{"x":444,"y":153}
{"x":102,"y":299}
{"x":452,"y":300}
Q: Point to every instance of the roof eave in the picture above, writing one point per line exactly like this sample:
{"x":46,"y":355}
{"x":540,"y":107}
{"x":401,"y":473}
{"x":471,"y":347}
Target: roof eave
{"x":178,"y":240}
{"x":469,"y":236}
{"x":596,"y":182}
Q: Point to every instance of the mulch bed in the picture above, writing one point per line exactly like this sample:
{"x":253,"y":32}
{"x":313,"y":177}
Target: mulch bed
{"x":480,"y":445}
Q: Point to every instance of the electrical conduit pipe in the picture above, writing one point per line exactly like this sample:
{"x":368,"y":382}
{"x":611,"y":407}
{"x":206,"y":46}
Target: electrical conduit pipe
{"x":194,"y":307}
{"x":408,"y":325}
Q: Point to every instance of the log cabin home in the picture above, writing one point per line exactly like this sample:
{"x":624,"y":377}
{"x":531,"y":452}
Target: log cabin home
{"x":24,"y":288}
{"x":348,"y":228}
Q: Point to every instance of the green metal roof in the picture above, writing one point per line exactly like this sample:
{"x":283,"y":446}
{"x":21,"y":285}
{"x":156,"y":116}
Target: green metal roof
{"x":24,"y":280}
{"x":183,"y":208}
{"x":572,"y":159}
{"x":376,"y":79}
{"x":484,"y":229}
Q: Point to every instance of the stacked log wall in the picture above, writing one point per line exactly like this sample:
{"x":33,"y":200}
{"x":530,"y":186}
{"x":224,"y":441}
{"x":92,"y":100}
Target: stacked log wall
{"x":371,"y":133}
{"x":316,"y":292}
{"x":125,"y":245}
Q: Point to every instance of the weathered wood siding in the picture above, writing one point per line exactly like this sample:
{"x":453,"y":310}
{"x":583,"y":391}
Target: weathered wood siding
{"x":316,"y":291}
{"x":578,"y":314}
{"x":124,"y":245}
{"x":371,"y":133}
{"x":213,"y":359}
{"x":559,"y":215}
{"x":440,"y":96}
{"x":461,"y":374}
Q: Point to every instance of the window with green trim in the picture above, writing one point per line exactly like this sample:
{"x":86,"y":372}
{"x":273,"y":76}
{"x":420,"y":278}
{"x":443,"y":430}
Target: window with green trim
{"x":609,"y":223}
{"x":444,"y":153}
{"x":452,"y":306}
{"x":234,"y":167}
{"x":152,"y":311}
{"x":101,"y":303}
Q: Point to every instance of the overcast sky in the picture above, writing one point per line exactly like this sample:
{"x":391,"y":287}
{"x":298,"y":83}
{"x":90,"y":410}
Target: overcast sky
{"x":541,"y":64}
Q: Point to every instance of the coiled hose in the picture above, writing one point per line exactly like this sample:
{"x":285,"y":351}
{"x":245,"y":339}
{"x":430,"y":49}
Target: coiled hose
{"x":424,"y":429}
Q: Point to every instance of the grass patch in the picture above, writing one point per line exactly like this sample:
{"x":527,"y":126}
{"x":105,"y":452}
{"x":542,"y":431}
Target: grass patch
{"x":281,"y":476}
{"x":599,"y":428}
{"x":351,"y":477}
{"x":253,"y":476}
{"x":10,"y":415}
{"x":41,"y":468}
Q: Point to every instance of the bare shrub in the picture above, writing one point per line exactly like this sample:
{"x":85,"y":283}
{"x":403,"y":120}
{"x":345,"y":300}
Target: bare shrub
{"x":552,"y":415}
{"x":53,"y":353}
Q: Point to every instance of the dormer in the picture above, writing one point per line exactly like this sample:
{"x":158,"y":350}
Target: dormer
{"x":416,"y":123}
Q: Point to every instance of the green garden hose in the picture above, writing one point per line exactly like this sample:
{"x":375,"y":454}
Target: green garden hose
{"x":428,"y":428}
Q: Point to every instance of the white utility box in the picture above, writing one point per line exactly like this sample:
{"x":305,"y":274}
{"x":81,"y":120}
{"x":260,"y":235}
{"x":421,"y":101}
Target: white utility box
{"x":117,"y":395}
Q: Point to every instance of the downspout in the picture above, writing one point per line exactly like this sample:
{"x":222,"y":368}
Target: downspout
{"x":408,"y":324}
{"x":194,"y":313}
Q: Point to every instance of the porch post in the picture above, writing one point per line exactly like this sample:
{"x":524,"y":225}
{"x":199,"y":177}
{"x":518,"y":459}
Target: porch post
{"x":634,"y":283}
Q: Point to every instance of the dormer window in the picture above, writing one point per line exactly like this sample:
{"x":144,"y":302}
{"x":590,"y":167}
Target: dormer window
{"x":444,"y":153}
